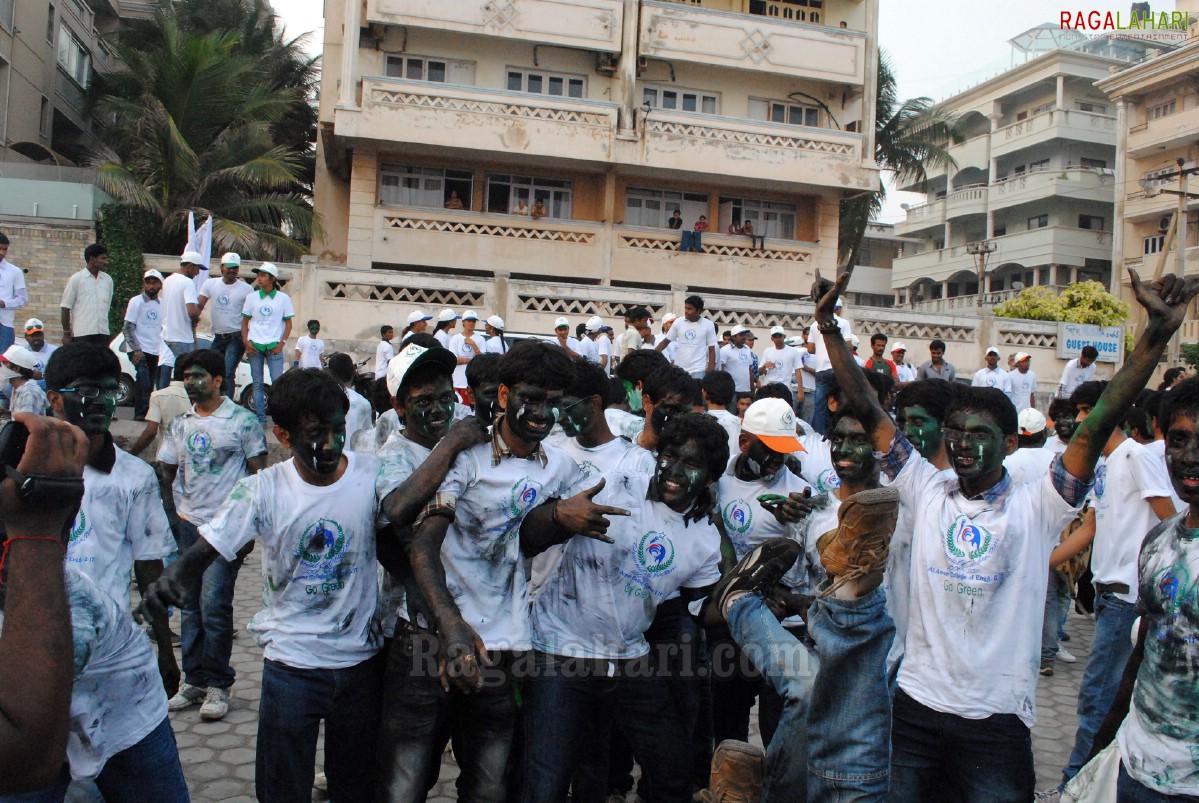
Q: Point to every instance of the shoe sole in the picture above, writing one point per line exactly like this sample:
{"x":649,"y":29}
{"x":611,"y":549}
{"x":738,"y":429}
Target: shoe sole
{"x":757,"y":571}
{"x":874,"y":497}
{"x":213,"y":717}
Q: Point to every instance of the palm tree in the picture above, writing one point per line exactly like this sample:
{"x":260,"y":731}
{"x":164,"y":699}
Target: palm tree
{"x":191,"y":130}
{"x":911,"y":138}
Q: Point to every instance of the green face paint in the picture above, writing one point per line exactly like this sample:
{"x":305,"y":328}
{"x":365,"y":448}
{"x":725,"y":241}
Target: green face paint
{"x":923,"y":430}
{"x":198,"y":384}
{"x":633,"y":395}
{"x":852,"y":453}
{"x":682,"y":475}
{"x":429,"y":409}
{"x":318,"y":445}
{"x":94,"y":414}
{"x":975,"y":445}
{"x":577,"y":415}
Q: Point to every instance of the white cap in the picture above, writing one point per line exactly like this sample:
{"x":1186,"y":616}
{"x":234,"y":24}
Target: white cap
{"x":409,"y":357}
{"x":152,"y":274}
{"x":1020,"y":356}
{"x":853,"y":341}
{"x":669,"y":317}
{"x":994,"y":350}
{"x":193,"y":257}
{"x":794,"y":341}
{"x":418,"y":315}
{"x":739,"y":330}
{"x":778,"y":330}
{"x":470,"y":315}
{"x":447,"y":314}
{"x":837,"y":304}
{"x":1031,"y":421}
{"x":231,"y":259}
{"x":595,"y":324}
{"x":562,"y":321}
{"x":267,"y":267}
{"x":34,"y":325}
{"x":19,"y":355}
{"x":899,"y":346}
{"x":496,"y":322}
{"x":773,"y":421}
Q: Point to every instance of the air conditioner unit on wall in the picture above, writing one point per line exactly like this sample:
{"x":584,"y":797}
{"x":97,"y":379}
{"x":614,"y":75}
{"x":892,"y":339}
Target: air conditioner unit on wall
{"x":605,"y":64}
{"x":1163,"y":225}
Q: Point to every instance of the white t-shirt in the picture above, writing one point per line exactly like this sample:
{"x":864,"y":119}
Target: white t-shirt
{"x":495,"y":345}
{"x":603,"y":346}
{"x":460,"y":348}
{"x":671,"y":347}
{"x":383,"y":354}
{"x":807,"y":573}
{"x":816,"y":463}
{"x":1158,"y":450}
{"x":29,"y":398}
{"x":43,"y":356}
{"x":120,"y":520}
{"x":226,"y":302}
{"x":443,"y":337}
{"x":786,"y":362}
{"x":809,"y":361}
{"x":267,"y":314}
{"x":693,"y":341}
{"x":1128,"y":477}
{"x":738,"y":363}
{"x":211,"y":452}
{"x":372,"y":440}
{"x":586,"y":348}
{"x":1158,"y":737}
{"x":625,"y":425}
{"x":822,"y":361}
{"x":997,"y":378}
{"x":655,"y":553}
{"x":1074,"y":375}
{"x":319,"y":575}
{"x":1028,"y":464}
{"x":116,"y":694}
{"x":732,"y":426}
{"x":146,"y":316}
{"x":979,"y":573}
{"x":747,"y":523}
{"x":399,"y":457}
{"x":359,"y":417}
{"x":484,"y":570}
{"x":1022,"y":386}
{"x":311,"y":349}
{"x":1055,"y":444}
{"x":178,"y":290}
{"x":904,"y":372}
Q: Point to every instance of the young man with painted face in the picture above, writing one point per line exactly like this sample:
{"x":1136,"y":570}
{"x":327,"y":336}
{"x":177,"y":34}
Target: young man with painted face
{"x":632,"y":373}
{"x":594,"y":659}
{"x":315,"y":516}
{"x":203,"y":454}
{"x":121,"y":526}
{"x":667,"y":392}
{"x":227,"y":294}
{"x":979,"y":554}
{"x":1063,"y":416}
{"x":143,"y":338}
{"x":1132,"y":494}
{"x":1156,"y":736}
{"x":466,"y":557}
{"x":483,"y":384}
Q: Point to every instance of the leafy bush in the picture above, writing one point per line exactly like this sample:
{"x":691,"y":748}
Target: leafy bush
{"x":1081,"y":302}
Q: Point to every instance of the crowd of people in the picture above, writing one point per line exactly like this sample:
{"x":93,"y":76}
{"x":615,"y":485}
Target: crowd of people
{"x":567,"y":556}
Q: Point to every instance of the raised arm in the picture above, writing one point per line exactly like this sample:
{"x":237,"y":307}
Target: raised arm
{"x":1165,"y":302}
{"x":404,"y":504}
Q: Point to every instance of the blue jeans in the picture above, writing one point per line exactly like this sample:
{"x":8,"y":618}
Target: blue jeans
{"x":1110,"y":651}
{"x":1130,"y":790}
{"x":149,"y":770}
{"x":1057,"y":597}
{"x":831,"y":743}
{"x":419,"y":717}
{"x":275,"y":363}
{"x":147,"y":381}
{"x":8,"y":336}
{"x":566,"y":696}
{"x":294,"y":702}
{"x":691,"y":241}
{"x":939,"y":756}
{"x":820,"y":404}
{"x":233,"y":348}
{"x":178,"y":349}
{"x":206,"y":635}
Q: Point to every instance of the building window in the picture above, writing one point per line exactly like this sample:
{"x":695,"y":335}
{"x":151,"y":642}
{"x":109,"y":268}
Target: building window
{"x":1093,"y":108}
{"x":1020,"y":116}
{"x":44,"y":118}
{"x":405,"y":185}
{"x":1038,"y":166}
{"x":6,"y":14}
{"x":1038,"y":222}
{"x":50,"y":27}
{"x":646,"y":207}
{"x":687,"y":100}
{"x":1090,"y":222}
{"x":73,"y":57}
{"x":416,"y":68}
{"x":776,"y":111}
{"x":543,"y":83}
{"x":1162,"y":110}
{"x":506,"y":193}
{"x":770,"y":218}
{"x":1000,"y":229}
{"x":1044,"y":107}
{"x":1153,"y":245}
{"x":1092,"y":164}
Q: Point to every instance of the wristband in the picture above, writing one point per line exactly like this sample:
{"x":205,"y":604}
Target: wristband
{"x":35,"y":489}
{"x":828,"y":327}
{"x":9,"y":543}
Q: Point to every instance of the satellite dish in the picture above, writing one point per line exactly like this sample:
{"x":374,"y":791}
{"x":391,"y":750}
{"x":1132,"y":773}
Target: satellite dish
{"x":1017,"y":285}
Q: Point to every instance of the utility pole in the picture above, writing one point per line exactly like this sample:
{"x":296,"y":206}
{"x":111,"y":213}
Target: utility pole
{"x":981,"y":251}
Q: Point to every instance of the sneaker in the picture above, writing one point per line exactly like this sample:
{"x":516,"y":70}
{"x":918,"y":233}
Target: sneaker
{"x":187,"y":696}
{"x":737,"y":773}
{"x":216,"y":704}
{"x":320,"y":782}
{"x":785,"y":603}
{"x":1047,"y":671}
{"x":757,"y":572}
{"x":1065,"y":655}
{"x":857,"y":549}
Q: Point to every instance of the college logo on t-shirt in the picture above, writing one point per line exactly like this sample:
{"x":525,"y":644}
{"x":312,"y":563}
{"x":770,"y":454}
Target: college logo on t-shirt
{"x":223,"y":299}
{"x":199,"y":444}
{"x":589,"y":469}
{"x":1100,"y":477}
{"x":524,"y":496}
{"x":967,"y":542}
{"x":266,"y":309}
{"x":655,"y":552}
{"x":151,"y":315}
{"x":827,"y":480}
{"x":738,"y":517}
{"x":320,"y":550}
{"x":690,"y":334}
{"x":81,"y":531}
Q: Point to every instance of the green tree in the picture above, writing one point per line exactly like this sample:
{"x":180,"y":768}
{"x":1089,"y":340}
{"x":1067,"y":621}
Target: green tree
{"x":1081,"y":302}
{"x":191,"y":130}
{"x":911,"y":137}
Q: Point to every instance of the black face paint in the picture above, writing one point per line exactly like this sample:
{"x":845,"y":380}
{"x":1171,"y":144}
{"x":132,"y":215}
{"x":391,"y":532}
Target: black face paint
{"x":763,"y":462}
{"x":94,"y":415}
{"x":682,"y":475}
{"x":532,"y":414}
{"x":320,"y":448}
{"x":577,"y":416}
{"x":1064,"y":426}
{"x":429,"y":411}
{"x":487,"y":405}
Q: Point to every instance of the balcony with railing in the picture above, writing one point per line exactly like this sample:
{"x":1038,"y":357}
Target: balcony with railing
{"x":967,"y":201}
{"x":1072,"y":182}
{"x":679,"y":32}
{"x":478,"y":119}
{"x":586,"y":24}
{"x":1069,"y":124}
{"x":970,"y":153}
{"x":925,"y":216}
{"x":1165,"y":133}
